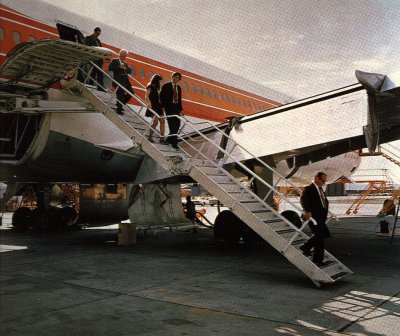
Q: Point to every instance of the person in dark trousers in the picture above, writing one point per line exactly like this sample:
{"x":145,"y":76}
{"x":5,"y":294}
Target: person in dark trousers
{"x":121,"y":70}
{"x":190,"y":209}
{"x":171,"y":101}
{"x":152,"y":99}
{"x":315,"y":205}
{"x":93,"y":41}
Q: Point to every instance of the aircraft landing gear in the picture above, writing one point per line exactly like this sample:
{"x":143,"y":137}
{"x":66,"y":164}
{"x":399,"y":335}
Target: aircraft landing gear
{"x":45,"y":217}
{"x":21,"y":219}
{"x":232,"y":231}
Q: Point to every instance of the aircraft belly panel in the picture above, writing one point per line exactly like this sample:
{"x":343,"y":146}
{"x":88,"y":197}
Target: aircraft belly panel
{"x":68,"y":159}
{"x":90,"y":127}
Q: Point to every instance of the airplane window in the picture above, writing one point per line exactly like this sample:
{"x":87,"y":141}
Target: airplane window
{"x":207,"y":93}
{"x":226,"y":98}
{"x":133,"y":71}
{"x":254,"y":106}
{"x":248,"y":104}
{"x":232,"y":100}
{"x":185,"y":86}
{"x":242,"y":102}
{"x":142,"y":73}
{"x":237,"y":101}
{"x":192,"y":88}
{"x":200,"y":90}
{"x":31,"y":38}
{"x":214,"y":95}
{"x":1,"y":33}
{"x":220,"y":96}
{"x":16,"y":37}
{"x":151,"y":74}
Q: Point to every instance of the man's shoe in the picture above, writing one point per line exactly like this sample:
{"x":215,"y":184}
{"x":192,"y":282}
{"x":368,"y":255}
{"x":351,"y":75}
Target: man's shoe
{"x":175,"y":146}
{"x":120,"y":112}
{"x":306,"y":252}
{"x":322,"y":263}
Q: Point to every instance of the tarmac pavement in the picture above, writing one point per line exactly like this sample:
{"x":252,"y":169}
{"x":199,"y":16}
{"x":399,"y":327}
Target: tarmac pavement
{"x":180,"y":283}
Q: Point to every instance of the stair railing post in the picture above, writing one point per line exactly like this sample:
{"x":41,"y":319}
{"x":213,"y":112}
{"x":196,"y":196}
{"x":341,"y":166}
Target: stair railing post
{"x":298,"y":232}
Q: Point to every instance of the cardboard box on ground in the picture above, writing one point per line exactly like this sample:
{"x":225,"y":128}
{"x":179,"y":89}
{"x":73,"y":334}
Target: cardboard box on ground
{"x":127,"y":234}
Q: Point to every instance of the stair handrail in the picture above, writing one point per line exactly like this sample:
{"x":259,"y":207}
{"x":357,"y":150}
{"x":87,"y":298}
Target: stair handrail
{"x":254,"y":175}
{"x":188,"y":123}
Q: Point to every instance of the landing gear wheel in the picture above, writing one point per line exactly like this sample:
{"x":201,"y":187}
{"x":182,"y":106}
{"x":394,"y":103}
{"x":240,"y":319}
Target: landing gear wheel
{"x":70,"y":215}
{"x":20,"y":219}
{"x":292,"y":217}
{"x":231,"y":229}
{"x":39,"y":219}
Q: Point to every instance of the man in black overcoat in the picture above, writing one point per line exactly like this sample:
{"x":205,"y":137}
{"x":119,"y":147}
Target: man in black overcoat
{"x":93,"y":41}
{"x":121,"y":70}
{"x":171,"y":101}
{"x":315,"y":206}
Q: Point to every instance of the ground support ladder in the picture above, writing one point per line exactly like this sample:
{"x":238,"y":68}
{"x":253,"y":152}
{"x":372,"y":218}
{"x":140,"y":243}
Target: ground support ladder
{"x":254,"y":211}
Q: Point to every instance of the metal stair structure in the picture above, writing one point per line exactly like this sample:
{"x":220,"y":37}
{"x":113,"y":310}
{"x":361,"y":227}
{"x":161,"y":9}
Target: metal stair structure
{"x":210,"y":173}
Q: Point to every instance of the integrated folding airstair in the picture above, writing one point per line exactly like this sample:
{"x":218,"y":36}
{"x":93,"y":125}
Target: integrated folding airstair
{"x":210,"y":173}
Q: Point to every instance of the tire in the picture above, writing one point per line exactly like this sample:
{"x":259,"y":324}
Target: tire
{"x":21,"y":219}
{"x":228,"y":227}
{"x":293,"y":217}
{"x":70,"y":215}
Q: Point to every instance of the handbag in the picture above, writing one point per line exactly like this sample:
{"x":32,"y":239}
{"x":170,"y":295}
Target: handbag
{"x":149,"y":113}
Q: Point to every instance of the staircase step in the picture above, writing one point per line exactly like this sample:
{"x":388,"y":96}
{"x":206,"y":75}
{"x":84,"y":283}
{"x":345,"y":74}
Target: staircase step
{"x":221,"y":179}
{"x":299,"y":241}
{"x":266,"y":216}
{"x":233,"y":187}
{"x":211,"y":170}
{"x":339,"y":275}
{"x":255,"y":207}
{"x":136,"y":125}
{"x":328,"y":263}
{"x":242,"y":196}
{"x":283,"y":231}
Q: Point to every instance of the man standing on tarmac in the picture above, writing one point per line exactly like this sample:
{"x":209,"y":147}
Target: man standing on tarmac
{"x":315,"y":205}
{"x":171,"y":101}
{"x":93,"y":41}
{"x":120,"y":71}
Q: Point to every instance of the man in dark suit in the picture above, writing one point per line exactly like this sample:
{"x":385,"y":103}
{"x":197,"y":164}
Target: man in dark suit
{"x":93,"y":41}
{"x":171,"y":101}
{"x":120,"y":71}
{"x":315,"y":205}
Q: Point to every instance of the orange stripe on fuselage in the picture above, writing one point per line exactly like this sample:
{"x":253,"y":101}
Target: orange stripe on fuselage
{"x":194,"y":104}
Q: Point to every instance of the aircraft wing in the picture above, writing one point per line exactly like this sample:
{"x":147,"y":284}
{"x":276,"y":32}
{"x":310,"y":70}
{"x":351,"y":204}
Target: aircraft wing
{"x":45,"y":61}
{"x":310,"y":130}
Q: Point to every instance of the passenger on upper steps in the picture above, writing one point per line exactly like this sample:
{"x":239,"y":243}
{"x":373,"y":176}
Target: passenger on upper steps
{"x":94,"y":41}
{"x":121,"y":70}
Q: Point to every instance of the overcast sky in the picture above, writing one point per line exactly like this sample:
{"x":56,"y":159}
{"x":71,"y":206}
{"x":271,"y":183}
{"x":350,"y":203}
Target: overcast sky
{"x":298,"y":47}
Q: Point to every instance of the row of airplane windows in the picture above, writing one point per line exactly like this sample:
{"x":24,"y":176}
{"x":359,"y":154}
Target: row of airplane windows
{"x":16,"y":36}
{"x":209,"y":93}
